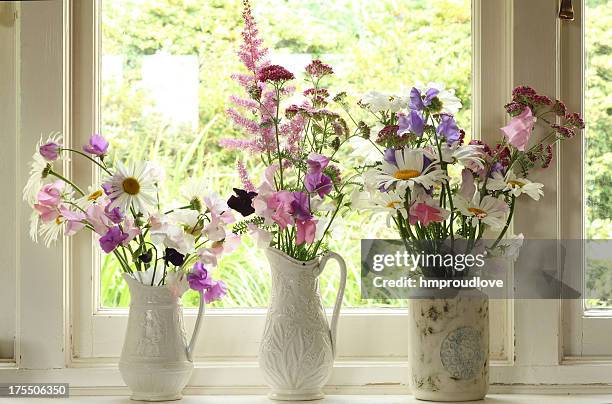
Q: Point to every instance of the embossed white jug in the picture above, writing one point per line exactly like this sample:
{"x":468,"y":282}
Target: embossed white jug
{"x":156,"y":361}
{"x":298,"y":346}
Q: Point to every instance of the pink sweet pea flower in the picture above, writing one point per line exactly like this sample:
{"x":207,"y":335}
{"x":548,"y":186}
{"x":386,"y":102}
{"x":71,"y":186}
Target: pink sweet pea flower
{"x":46,"y":213}
{"x":130,"y":228}
{"x":97,"y":145}
{"x":215,"y":292}
{"x":50,"y":194}
{"x":97,"y":217}
{"x":306,"y":231}
{"x":50,"y":151}
{"x":423,"y":213}
{"x":280,"y":202}
{"x":317,"y":162}
{"x":75,"y":220}
{"x":518,"y":131}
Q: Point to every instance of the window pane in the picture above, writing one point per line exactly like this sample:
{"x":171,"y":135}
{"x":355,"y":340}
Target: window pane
{"x":165,"y":85}
{"x":598,"y":158}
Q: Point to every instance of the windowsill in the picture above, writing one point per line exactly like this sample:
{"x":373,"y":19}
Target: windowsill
{"x":352,"y":399}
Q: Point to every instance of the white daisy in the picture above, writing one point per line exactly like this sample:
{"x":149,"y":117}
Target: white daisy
{"x":407,"y":171}
{"x":515,"y":186}
{"x":92,"y":196}
{"x":491,"y":211}
{"x":391,"y":202}
{"x":466,"y":155}
{"x":378,"y":102}
{"x":51,"y":230}
{"x":38,"y":166}
{"x":133,"y":186}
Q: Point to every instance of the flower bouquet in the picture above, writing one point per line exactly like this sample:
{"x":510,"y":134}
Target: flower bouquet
{"x":443,"y":196}
{"x":291,"y":212}
{"x":161,"y":253}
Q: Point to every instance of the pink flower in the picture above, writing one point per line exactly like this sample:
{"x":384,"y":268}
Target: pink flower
{"x":46,"y":213}
{"x":519,"y":129}
{"x":130,"y":228}
{"x":425,"y":214}
{"x":306,"y":230}
{"x":50,"y":194}
{"x":50,"y":151}
{"x":75,"y":220}
{"x":97,"y":217}
{"x":274,"y":73}
{"x":280,"y":202}
{"x":216,"y":291}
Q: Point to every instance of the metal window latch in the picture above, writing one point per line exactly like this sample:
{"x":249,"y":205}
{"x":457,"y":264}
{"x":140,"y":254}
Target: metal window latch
{"x":566,"y":11}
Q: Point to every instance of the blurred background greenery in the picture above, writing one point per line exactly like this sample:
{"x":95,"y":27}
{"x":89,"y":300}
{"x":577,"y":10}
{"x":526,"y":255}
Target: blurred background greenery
{"x":166,"y":69}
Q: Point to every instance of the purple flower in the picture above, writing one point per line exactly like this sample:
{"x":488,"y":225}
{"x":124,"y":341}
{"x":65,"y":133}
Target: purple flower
{"x":174,"y":257}
{"x":215,"y":292}
{"x":418,"y":102}
{"x":242,"y":202}
{"x":448,"y":128}
{"x":114,"y":214}
{"x":97,"y":145}
{"x":198,"y":277}
{"x":318,"y":182}
{"x":317,"y":162}
{"x":390,"y":156}
{"x":113,"y":237}
{"x":50,"y":151}
{"x":107,"y":188}
{"x":413,"y":122}
{"x":300,"y":206}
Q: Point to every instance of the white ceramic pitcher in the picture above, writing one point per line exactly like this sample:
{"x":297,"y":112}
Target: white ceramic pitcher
{"x":298,"y":346}
{"x":156,"y":361}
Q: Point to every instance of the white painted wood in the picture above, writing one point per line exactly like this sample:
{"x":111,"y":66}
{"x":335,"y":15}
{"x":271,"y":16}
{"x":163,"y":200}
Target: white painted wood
{"x":41,"y":280}
{"x":8,"y":166}
{"x":585,"y":333}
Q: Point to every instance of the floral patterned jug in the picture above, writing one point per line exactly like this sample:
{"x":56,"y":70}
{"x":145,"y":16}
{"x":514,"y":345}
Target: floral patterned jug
{"x":156,"y":361}
{"x":298,"y":346}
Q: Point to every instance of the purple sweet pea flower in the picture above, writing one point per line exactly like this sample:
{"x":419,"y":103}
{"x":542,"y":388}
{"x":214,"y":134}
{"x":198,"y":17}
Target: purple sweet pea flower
{"x":448,"y":128}
{"x":198,"y":277}
{"x":50,"y":151}
{"x":114,"y":214}
{"x":413,"y":122}
{"x":113,"y":237}
{"x":216,"y":291}
{"x":97,"y":145}
{"x":317,"y":162}
{"x":418,"y":102}
{"x":319,"y":183}
{"x":390,"y":156}
{"x":300,"y":206}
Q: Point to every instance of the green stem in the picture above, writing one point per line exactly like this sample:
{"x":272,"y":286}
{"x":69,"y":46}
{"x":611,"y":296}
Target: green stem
{"x":505,"y":229}
{"x":66,"y":180}
{"x":89,"y":158}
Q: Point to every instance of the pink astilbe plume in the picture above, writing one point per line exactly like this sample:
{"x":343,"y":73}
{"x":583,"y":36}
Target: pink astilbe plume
{"x":244,"y":177}
{"x":251,"y":52}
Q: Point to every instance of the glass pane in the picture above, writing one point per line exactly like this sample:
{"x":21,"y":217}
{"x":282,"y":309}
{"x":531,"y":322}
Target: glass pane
{"x":166,"y":67}
{"x":598,"y":153}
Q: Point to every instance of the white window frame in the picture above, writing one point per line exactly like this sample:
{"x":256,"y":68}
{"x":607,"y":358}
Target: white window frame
{"x":586,"y":332}
{"x":8,"y":220}
{"x":55,"y":306}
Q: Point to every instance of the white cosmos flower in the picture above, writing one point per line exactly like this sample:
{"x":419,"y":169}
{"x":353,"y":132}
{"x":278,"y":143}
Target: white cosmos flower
{"x":450,"y":103}
{"x":377,"y":102}
{"x":515,"y":186}
{"x":133,"y":186}
{"x":407,"y":171}
{"x":491,"y":211}
{"x":390,"y":202}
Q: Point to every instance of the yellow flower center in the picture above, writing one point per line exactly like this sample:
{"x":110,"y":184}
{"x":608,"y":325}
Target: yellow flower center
{"x":131,"y":186}
{"x":95,"y":195}
{"x":406,"y":174}
{"x":479,"y":213}
{"x":392,"y":205}
{"x":516,"y":184}
{"x":58,"y":220}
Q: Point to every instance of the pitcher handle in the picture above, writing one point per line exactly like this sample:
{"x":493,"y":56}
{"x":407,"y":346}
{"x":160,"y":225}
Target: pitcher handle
{"x":196,"y":329}
{"x":339,"y":296}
